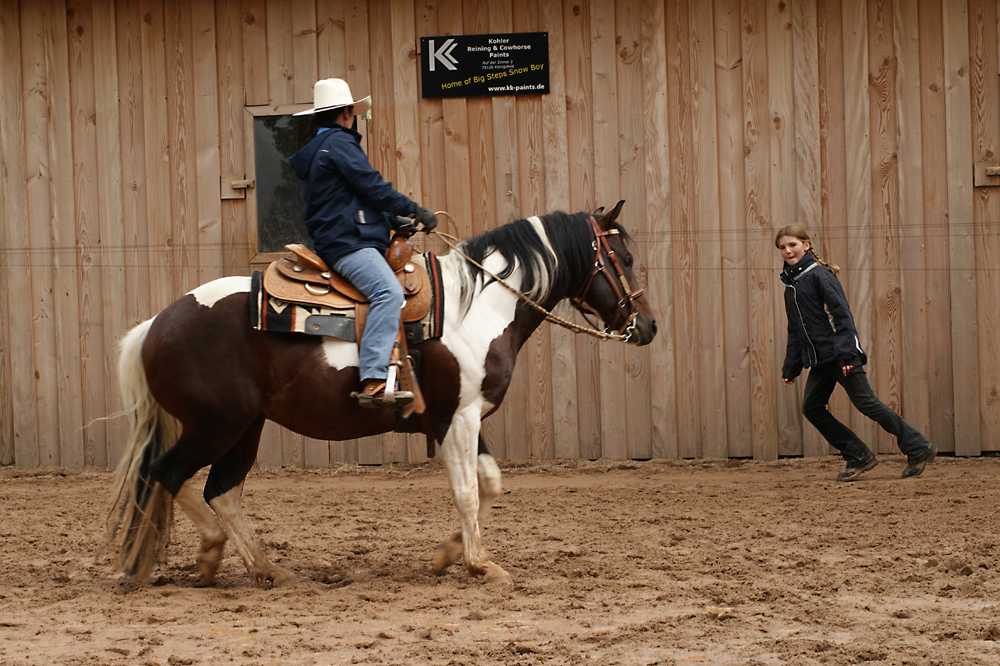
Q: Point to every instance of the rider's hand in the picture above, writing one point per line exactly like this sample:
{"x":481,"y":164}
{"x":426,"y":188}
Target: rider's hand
{"x":426,"y":219}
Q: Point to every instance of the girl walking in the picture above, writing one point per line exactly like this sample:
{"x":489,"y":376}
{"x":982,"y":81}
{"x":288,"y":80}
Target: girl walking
{"x":822,"y":337}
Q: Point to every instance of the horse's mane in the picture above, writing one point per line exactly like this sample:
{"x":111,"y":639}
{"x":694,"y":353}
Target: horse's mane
{"x":549,"y":267}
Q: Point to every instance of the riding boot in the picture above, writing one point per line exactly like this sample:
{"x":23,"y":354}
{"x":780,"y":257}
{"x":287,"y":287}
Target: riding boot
{"x":372,"y":394}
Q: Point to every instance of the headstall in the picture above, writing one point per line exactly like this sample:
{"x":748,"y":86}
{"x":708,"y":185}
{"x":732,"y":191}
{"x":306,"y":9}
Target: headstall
{"x":606,"y":263}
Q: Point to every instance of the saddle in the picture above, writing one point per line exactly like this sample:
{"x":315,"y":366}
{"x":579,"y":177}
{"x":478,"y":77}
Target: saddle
{"x":302,"y":277}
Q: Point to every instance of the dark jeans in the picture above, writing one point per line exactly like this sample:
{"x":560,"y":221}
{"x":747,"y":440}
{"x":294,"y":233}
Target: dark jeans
{"x":819,"y":386}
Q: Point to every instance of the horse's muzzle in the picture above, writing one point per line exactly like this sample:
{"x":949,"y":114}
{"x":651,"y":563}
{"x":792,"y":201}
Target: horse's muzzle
{"x":645,"y":331}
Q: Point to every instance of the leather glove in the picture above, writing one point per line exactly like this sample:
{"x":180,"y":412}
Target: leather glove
{"x":426,"y":219}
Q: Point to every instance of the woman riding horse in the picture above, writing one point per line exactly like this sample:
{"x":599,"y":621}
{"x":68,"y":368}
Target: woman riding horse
{"x":349,"y":211}
{"x":199,"y":383}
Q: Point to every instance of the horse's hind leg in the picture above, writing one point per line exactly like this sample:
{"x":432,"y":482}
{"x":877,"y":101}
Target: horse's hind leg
{"x":224,"y":493}
{"x":450,"y":552}
{"x":213,"y":538}
{"x":202,"y":443}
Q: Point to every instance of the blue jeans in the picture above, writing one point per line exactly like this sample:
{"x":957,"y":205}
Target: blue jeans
{"x":368,"y":271}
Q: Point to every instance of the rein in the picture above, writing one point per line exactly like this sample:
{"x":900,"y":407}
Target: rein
{"x":599,"y":267}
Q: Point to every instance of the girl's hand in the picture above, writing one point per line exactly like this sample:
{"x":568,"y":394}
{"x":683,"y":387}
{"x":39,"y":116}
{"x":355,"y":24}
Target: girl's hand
{"x":846,"y":369}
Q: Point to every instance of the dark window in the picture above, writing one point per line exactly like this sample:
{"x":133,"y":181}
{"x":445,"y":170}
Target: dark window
{"x":278,"y":189}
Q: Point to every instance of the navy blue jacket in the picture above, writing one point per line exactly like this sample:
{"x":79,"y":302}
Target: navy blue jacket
{"x":349,"y":206}
{"x":821,"y":328}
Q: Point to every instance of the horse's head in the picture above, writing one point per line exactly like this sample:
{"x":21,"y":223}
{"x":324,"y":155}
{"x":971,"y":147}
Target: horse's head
{"x":611,"y":292}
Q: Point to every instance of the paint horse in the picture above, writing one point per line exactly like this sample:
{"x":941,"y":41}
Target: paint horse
{"x":199,"y":382}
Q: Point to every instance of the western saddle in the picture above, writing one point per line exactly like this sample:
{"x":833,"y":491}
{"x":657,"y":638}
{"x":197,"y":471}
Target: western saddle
{"x":303,"y":277}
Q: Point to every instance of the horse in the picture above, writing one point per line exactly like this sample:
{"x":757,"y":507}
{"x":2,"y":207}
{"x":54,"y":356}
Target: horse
{"x":198,"y":383}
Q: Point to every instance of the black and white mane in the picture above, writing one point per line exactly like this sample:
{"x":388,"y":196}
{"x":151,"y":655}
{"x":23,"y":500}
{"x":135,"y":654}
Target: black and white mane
{"x":552,"y":267}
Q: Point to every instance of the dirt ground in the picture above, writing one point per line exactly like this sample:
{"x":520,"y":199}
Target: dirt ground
{"x":660,"y":562}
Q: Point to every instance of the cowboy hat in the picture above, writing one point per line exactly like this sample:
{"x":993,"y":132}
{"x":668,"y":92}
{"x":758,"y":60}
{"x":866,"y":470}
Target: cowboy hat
{"x":333,"y":94}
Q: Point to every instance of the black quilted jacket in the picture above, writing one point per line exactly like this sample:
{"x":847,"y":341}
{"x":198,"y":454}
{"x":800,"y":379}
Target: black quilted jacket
{"x":821,"y":328}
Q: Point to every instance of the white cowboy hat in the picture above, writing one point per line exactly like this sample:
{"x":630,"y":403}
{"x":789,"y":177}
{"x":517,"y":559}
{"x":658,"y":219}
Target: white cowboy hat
{"x":332,"y":94}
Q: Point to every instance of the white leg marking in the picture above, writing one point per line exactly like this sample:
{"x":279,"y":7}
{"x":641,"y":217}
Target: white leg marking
{"x":213,"y":538}
{"x":197,"y":510}
{"x":488,"y":474}
{"x":489,"y":477}
{"x":212,"y":292}
{"x":459,"y":451}
{"x":229,"y":510}
{"x":340,"y":354}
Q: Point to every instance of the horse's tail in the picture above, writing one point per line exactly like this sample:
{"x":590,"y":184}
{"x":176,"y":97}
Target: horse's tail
{"x":141,"y":513}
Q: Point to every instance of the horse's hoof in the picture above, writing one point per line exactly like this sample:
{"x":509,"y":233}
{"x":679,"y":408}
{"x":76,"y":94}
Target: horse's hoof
{"x":440,"y":563}
{"x":273,"y":577}
{"x":497,"y":574}
{"x":491,"y":573}
{"x":126,"y":584}
{"x":264,"y":580}
{"x":448,"y":553}
{"x":206,"y":573}
{"x":208,"y":561}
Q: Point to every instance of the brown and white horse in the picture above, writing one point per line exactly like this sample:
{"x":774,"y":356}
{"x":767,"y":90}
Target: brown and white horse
{"x":199,"y":383}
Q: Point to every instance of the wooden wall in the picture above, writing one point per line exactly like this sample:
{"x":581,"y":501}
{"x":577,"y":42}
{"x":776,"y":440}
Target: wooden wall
{"x":718,"y":121}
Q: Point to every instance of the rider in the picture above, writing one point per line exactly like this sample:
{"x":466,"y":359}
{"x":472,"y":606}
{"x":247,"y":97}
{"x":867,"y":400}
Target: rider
{"x":350,"y":209}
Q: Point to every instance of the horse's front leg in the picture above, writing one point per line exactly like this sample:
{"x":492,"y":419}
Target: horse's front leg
{"x":490,"y":487}
{"x":460,"y":452}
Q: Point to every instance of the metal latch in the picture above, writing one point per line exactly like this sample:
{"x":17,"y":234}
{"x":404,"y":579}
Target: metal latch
{"x":235,"y":189}
{"x":986,"y":174}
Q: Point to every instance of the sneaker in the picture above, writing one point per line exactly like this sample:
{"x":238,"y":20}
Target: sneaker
{"x":853,"y":470}
{"x":916,"y":461}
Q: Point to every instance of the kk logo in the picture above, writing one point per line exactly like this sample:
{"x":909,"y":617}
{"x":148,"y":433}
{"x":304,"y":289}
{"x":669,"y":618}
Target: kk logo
{"x":443,"y":54}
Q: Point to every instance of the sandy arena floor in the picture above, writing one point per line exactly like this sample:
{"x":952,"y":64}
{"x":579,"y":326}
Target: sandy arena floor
{"x":647,"y":563}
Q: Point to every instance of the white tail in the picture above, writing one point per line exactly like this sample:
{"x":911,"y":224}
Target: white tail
{"x":142,"y":510}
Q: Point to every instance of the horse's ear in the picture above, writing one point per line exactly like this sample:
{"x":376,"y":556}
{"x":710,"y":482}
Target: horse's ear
{"x":611,"y":216}
{"x":598,"y":211}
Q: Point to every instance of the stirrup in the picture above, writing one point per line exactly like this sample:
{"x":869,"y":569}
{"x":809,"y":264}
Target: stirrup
{"x":379,"y":398}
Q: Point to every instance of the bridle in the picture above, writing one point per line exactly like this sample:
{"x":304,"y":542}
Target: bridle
{"x":612,"y":271}
{"x":620,"y":287}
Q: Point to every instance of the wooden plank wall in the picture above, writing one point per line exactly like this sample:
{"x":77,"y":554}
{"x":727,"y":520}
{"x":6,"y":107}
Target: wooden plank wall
{"x":717,"y":121}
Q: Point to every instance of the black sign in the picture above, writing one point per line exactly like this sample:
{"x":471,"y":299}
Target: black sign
{"x":485,"y":65}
